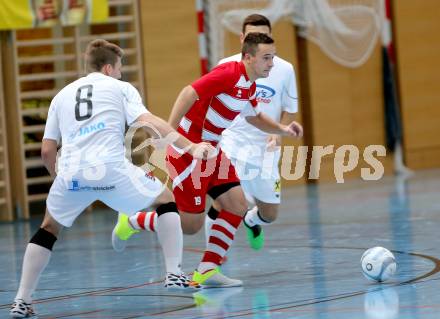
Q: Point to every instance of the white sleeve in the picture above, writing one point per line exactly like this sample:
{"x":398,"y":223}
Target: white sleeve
{"x":289,"y":99}
{"x":236,"y":57}
{"x":133,"y":106}
{"x":249,"y":110}
{"x":52,"y":128}
{"x":222,"y":61}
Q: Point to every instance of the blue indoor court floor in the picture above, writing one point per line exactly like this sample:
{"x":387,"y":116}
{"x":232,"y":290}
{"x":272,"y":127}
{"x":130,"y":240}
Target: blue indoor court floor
{"x":308,"y":269}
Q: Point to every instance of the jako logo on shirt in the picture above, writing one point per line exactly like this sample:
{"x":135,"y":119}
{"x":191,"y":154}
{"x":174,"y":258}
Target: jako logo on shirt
{"x":264,"y":93}
{"x":91,"y":128}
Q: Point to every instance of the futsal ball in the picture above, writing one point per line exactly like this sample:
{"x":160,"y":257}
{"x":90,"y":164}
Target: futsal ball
{"x":378,"y":264}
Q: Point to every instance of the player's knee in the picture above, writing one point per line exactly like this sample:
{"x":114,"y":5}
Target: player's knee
{"x":238,"y":206}
{"x":192,"y":223}
{"x":50,"y":227}
{"x":190,"y":229}
{"x":213,"y":212}
{"x":241,"y":207}
{"x":271,"y":216}
{"x":217,"y":206}
{"x":44,"y":238}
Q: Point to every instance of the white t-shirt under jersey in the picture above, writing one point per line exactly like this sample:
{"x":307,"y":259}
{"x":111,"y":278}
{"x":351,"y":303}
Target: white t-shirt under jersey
{"x":89,"y":117}
{"x":275,"y":94}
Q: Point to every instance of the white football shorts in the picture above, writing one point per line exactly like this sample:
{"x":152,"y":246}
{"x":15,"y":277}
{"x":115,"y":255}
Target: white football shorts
{"x":122,"y":186}
{"x":259,"y":182}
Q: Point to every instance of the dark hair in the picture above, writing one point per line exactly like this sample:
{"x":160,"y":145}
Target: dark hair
{"x":100,"y":52}
{"x":256,"y":20}
{"x":252,"y":40}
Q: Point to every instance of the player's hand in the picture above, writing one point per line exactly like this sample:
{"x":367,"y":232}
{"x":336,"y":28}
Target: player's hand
{"x":294,"y":129}
{"x":273,"y":143}
{"x":203,"y":150}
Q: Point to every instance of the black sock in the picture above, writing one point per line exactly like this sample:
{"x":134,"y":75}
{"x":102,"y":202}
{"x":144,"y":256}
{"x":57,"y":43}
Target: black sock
{"x":213,"y":213}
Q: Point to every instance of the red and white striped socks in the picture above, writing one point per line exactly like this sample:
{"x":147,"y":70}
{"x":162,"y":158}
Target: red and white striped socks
{"x":170,"y":240}
{"x":144,"y":221}
{"x":220,"y":239}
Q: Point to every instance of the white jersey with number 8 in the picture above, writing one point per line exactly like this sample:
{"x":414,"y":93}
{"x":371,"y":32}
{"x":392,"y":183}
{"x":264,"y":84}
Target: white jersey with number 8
{"x":89,"y":117}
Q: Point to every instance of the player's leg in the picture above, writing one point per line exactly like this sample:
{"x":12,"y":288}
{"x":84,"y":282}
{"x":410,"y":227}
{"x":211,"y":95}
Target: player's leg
{"x":189,"y":198}
{"x":147,"y":221}
{"x":225,"y":188}
{"x":128,"y":225}
{"x":262,"y":213}
{"x":63,"y":207}
{"x":35,"y":260}
{"x":191,"y":203}
{"x":215,"y":208}
{"x":191,"y":215}
{"x":190,"y":183}
{"x":259,"y":215}
{"x":192,"y":221}
{"x":144,"y":220}
{"x":266,"y":192}
{"x":135,"y":190}
{"x":233,"y":203}
{"x":210,"y":217}
{"x":169,"y":233}
{"x":142,"y":190}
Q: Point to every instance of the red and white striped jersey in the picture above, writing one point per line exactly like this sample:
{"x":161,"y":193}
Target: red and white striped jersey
{"x":224,"y":93}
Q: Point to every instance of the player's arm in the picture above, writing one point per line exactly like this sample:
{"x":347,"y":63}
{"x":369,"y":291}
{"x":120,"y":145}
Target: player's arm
{"x":289,"y":100}
{"x":266,"y":124}
{"x":184,"y":101}
{"x":51,"y":139}
{"x":287,"y":118}
{"x":154,"y":124}
{"x":275,"y":139}
{"x":289,"y":105}
{"x":137,"y":115}
{"x":49,"y":150}
{"x":219,"y":80}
